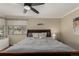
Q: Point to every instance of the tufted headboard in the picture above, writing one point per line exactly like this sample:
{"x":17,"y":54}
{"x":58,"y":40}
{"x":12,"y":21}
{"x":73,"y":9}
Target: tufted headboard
{"x":30,"y":31}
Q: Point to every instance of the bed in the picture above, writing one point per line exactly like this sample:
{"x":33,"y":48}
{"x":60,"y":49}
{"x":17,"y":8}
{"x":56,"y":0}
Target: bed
{"x":35,"y":46}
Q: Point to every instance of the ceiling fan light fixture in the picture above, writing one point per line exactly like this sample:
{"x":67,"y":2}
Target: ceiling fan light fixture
{"x":27,"y":7}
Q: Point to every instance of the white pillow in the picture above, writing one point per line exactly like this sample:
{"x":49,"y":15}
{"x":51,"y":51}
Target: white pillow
{"x":42,"y":35}
{"x":35,"y":35}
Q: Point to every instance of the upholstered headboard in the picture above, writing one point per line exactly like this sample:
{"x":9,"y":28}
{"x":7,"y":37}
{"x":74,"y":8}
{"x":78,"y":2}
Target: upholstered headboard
{"x":30,"y":31}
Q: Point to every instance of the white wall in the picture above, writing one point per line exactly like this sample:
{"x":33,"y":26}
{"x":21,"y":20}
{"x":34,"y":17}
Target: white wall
{"x":67,"y":33}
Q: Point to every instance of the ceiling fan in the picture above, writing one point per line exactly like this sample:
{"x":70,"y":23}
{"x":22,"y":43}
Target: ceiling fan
{"x":28,"y":6}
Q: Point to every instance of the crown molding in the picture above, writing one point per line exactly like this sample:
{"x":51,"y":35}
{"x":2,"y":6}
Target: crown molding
{"x":71,"y":12}
{"x":16,"y":18}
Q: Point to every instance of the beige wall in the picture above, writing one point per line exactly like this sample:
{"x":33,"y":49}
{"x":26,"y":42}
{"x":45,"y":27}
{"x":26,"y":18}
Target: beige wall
{"x":16,"y":38}
{"x":53,"y":24}
{"x":49,"y":23}
{"x":2,"y":21}
{"x":67,"y":33}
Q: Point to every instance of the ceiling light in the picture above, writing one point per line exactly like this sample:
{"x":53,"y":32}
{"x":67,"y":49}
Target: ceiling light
{"x":27,"y":7}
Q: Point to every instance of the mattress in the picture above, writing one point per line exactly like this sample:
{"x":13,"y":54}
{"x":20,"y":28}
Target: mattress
{"x":31,"y":44}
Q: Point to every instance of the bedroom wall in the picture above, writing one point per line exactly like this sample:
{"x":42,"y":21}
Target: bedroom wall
{"x":16,"y":38}
{"x":49,"y":23}
{"x":67,"y":33}
{"x":2,"y":21}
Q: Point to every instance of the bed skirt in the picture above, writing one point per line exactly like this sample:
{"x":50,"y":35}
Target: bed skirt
{"x":42,"y":54}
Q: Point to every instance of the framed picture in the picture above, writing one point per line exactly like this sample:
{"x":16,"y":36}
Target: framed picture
{"x":10,"y":29}
{"x":1,"y":31}
{"x":17,"y":29}
{"x":76,"y":25}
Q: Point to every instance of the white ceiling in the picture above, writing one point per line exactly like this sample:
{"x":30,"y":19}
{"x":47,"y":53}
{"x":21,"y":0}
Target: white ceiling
{"x":48,"y":10}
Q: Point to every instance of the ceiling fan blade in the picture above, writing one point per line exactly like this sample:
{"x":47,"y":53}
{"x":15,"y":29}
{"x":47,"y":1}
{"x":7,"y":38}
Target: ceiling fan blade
{"x":33,"y":4}
{"x":36,"y":4}
{"x":28,"y":4}
{"x":33,"y":9}
{"x":25,"y":10}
